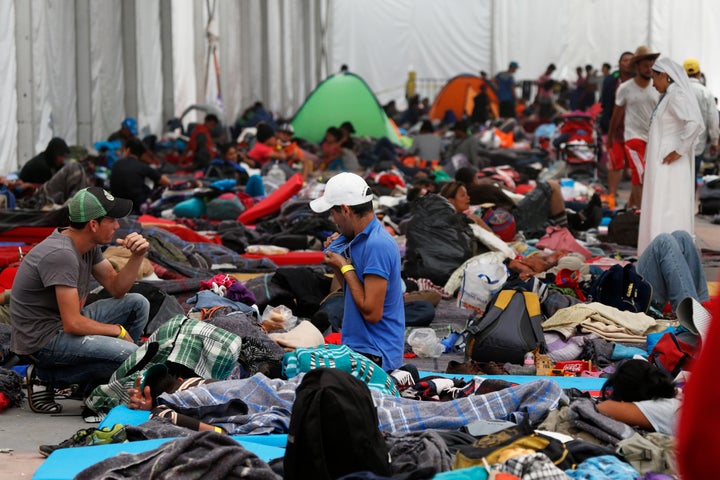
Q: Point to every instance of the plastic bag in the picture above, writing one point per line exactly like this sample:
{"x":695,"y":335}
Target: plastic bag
{"x":484,"y":277}
{"x":266,"y":250}
{"x":282,"y":314}
{"x":425,"y":343}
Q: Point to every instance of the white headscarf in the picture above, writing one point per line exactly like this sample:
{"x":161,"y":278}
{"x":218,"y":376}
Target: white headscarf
{"x":675,"y":71}
{"x":681,"y":81}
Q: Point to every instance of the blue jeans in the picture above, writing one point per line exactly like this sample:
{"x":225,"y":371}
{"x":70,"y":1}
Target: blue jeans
{"x":90,"y":360}
{"x":671,"y":264}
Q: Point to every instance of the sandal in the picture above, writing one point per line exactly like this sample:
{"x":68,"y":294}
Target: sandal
{"x":42,"y":401}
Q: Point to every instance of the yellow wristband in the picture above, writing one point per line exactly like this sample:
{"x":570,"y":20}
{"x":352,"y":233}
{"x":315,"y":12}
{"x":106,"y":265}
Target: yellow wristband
{"x":346,"y":268}
{"x":219,"y":430}
{"x":123,"y":332}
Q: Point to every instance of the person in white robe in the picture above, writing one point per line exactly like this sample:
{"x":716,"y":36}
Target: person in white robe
{"x":668,"y":201}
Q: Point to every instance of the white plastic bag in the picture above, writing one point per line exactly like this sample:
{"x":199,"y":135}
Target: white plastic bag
{"x":483,"y":278}
{"x":425,"y":343}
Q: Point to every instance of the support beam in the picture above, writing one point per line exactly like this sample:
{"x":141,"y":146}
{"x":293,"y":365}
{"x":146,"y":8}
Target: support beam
{"x":129,"y":49}
{"x":24,"y":86}
{"x":84,"y":80}
{"x":168,"y":105}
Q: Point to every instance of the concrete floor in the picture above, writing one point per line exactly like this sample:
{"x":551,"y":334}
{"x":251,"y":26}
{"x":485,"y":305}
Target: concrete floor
{"x":21,"y":430}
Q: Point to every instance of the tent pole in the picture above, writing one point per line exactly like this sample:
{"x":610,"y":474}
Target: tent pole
{"x":168,"y":103}
{"x":129,"y":48}
{"x":84,"y":81}
{"x":24,"y":82}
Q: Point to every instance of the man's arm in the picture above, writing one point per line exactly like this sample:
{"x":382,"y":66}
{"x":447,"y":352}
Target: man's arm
{"x":76,"y":323}
{"x":369,"y":297}
{"x":118,"y":283}
{"x":617,"y":115}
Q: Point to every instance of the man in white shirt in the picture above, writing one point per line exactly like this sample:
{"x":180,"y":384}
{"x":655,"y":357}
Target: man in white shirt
{"x":635,"y":100}
{"x":708,"y":110}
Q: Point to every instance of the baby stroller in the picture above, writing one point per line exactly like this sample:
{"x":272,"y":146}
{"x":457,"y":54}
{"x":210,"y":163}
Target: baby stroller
{"x":577,"y":144}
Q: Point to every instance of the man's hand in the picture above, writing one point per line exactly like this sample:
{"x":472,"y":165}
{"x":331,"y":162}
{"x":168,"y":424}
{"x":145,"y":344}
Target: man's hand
{"x":330,"y":239}
{"x":136,"y":243}
{"x":335,"y":260}
{"x":140,"y":400}
{"x":671,"y":157}
{"x":713,"y":150}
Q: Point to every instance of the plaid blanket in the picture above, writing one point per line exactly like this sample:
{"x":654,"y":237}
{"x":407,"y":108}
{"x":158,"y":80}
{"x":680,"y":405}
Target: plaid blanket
{"x":270,"y":403}
{"x":209,"y":351}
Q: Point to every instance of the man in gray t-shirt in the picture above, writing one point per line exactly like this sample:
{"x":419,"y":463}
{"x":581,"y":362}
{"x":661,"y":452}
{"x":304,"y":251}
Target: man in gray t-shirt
{"x":70,"y":342}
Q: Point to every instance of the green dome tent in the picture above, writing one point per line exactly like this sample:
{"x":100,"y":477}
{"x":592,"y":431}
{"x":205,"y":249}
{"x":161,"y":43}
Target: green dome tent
{"x":343,"y":97}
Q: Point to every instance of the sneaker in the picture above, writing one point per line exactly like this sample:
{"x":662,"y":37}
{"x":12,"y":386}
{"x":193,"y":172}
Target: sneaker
{"x":79,"y":439}
{"x":107,"y":435}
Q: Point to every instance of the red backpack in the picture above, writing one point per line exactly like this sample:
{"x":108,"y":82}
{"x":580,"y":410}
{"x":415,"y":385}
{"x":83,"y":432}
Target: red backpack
{"x":672,"y":355}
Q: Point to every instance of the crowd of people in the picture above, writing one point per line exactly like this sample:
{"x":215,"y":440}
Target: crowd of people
{"x":656,"y":115}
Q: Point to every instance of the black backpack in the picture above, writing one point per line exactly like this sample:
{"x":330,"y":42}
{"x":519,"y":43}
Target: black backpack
{"x":508,"y":330}
{"x":333,"y":429}
{"x":624,"y":228}
{"x":622,"y":288}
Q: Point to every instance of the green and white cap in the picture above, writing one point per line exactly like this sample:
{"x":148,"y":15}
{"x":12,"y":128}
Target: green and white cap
{"x":94,"y":202}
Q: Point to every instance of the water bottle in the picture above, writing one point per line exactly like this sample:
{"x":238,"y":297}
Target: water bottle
{"x":450,"y":341}
{"x":567,"y":186}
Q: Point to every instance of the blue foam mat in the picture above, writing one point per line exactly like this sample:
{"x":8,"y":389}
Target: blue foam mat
{"x":65,"y":464}
{"x":581,"y":383}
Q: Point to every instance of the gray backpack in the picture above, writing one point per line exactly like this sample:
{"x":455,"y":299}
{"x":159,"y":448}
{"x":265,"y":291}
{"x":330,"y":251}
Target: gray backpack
{"x":508,"y":330}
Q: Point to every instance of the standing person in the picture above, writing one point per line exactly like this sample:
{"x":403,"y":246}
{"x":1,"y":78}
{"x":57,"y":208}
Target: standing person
{"x":128,"y":175}
{"x":669,"y":200}
{"x":72,"y":342}
{"x":366,"y":262}
{"x":616,"y":154}
{"x":634,"y":102}
{"x":505,"y":88}
{"x":545,"y":95}
{"x":708,"y":110}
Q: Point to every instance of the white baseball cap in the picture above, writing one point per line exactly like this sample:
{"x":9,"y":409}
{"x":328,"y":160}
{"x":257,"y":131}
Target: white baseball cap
{"x":343,"y":189}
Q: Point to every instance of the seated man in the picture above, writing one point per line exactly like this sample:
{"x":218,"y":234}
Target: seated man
{"x":128,"y":130}
{"x":368,"y":268}
{"x":129,"y":175}
{"x":201,"y":149}
{"x":265,"y":148}
{"x":70,"y":342}
{"x":44,"y":165}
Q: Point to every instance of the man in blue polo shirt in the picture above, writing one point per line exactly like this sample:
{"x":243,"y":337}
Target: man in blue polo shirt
{"x":366,"y":261}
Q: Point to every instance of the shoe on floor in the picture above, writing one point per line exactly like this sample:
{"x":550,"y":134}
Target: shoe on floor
{"x":41,"y":398}
{"x":107,"y":435}
{"x":79,"y":439}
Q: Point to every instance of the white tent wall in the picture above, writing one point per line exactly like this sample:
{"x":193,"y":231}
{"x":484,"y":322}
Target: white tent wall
{"x":568,"y":34}
{"x":149,"y":67}
{"x":183,"y":47}
{"x":689,"y":29}
{"x":81,"y":72}
{"x":54,"y":85}
{"x":106,"y":68}
{"x":8,"y":91}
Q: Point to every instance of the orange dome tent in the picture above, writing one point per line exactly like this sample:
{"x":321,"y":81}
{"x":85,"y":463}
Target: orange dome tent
{"x":458,"y":94}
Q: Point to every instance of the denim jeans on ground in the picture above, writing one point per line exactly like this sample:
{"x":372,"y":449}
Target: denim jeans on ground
{"x":91,"y":359}
{"x":671,"y":264}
